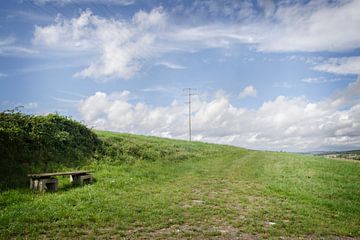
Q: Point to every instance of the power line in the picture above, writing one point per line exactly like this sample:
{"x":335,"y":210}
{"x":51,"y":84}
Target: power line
{"x":189,"y":92}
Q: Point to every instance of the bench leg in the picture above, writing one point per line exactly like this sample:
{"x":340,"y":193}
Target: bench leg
{"x":41,"y":185}
{"x":34,"y":183}
{"x":37,"y":185}
{"x":75,"y":179}
{"x":81,"y":179}
{"x":31,"y":183}
{"x":86,"y":178}
{"x":52,"y":184}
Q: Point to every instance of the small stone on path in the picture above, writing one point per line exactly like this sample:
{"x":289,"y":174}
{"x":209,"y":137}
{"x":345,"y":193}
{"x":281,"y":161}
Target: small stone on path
{"x":269,"y":223}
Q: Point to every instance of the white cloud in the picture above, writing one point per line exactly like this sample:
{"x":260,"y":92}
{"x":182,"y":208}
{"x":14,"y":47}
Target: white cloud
{"x":116,"y":113}
{"x":210,"y":36}
{"x":314,"y":26}
{"x":171,"y":65}
{"x":65,"y":2}
{"x":248,"y":91}
{"x":3,"y":75}
{"x":31,"y":105}
{"x":281,"y":26}
{"x":317,"y":80}
{"x":344,"y":65}
{"x":311,"y":80}
{"x":159,"y":89}
{"x":65,"y":100}
{"x":75,"y":34}
{"x":349,"y":96}
{"x":281,"y":124}
{"x":7,"y":41}
{"x":30,"y":16}
{"x":8,"y":47}
{"x":210,"y":9}
{"x":121,"y":47}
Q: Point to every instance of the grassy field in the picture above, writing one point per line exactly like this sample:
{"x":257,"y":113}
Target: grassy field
{"x":162,"y":189}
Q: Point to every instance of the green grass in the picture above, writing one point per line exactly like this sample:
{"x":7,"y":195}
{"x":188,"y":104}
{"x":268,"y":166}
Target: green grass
{"x":155,"y":188}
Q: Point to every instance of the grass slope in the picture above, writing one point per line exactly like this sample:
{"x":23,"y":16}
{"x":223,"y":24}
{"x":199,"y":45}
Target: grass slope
{"x":150,"y":187}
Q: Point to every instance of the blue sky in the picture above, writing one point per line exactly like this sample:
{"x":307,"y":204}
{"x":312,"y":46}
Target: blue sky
{"x":278,"y":75}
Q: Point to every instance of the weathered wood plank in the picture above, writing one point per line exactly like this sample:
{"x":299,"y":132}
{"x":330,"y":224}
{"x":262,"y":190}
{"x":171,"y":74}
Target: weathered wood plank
{"x":47,"y":181}
{"x":40,"y":175}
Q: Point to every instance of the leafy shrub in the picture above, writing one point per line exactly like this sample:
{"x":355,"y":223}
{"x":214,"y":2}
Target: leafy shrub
{"x":41,"y":143}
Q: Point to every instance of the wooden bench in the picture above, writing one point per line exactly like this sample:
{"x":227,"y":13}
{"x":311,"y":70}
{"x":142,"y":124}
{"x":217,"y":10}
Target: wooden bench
{"x":48,"y":181}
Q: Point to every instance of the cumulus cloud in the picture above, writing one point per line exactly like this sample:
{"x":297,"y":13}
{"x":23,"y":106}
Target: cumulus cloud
{"x":111,"y":112}
{"x":121,"y":47}
{"x":349,"y":96}
{"x":314,"y":26}
{"x":124,"y":46}
{"x":248,"y":91}
{"x":344,"y":65}
{"x":283,"y":25}
{"x":284,"y":123}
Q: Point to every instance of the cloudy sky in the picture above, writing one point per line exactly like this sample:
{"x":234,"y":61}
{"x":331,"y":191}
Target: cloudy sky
{"x":276,"y":75}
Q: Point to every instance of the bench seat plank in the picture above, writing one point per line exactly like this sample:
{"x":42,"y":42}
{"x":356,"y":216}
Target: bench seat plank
{"x":41,"y":175}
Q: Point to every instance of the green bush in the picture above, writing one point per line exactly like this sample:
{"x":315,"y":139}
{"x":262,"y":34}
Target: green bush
{"x":41,"y":143}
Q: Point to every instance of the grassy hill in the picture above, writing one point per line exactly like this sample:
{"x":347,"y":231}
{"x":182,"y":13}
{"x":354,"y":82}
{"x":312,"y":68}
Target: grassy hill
{"x":148,"y":187}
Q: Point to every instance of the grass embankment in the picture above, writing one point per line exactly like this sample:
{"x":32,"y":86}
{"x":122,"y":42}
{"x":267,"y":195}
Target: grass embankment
{"x":150,"y":187}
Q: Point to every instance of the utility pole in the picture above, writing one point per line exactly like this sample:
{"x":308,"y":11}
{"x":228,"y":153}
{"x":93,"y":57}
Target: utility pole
{"x":189,"y":92}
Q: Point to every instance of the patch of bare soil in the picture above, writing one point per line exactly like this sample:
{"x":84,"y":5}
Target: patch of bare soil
{"x":198,"y":232}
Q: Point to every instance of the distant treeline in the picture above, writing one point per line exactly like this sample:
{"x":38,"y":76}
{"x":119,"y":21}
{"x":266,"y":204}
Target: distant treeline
{"x":352,"y":154}
{"x":41,"y":143}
